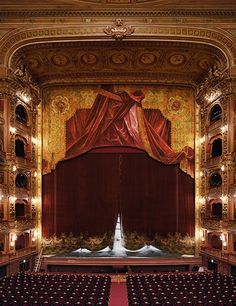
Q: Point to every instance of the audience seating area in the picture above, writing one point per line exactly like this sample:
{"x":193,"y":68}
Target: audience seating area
{"x":212,"y":289}
{"x":54,"y":289}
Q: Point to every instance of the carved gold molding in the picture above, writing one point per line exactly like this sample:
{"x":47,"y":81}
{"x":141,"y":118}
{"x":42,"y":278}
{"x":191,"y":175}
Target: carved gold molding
{"x":34,"y":13}
{"x":199,"y":35}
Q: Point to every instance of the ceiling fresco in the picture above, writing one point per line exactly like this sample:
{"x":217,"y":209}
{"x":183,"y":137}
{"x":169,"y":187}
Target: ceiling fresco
{"x":171,"y":62}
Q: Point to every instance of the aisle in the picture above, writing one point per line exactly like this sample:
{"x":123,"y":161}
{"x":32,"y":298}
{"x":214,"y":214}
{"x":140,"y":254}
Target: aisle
{"x":118,"y":296}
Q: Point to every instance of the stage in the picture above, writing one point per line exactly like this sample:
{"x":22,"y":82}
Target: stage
{"x":119,"y":264}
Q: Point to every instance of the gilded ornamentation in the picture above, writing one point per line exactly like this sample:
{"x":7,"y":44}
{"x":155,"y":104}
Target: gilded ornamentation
{"x":176,"y":104}
{"x":118,"y":58}
{"x":119,"y":30}
{"x":89,"y":59}
{"x":177,"y":59}
{"x":67,"y":243}
{"x":60,"y":60}
{"x":60,"y":105}
{"x":147,"y":58}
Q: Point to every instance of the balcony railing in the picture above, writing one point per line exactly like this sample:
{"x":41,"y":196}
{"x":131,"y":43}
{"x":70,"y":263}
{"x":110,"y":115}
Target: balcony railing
{"x":222,"y":255}
{"x":7,"y":258}
{"x":213,"y":224}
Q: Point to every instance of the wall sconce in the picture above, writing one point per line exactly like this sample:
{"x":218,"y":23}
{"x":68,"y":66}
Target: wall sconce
{"x":202,"y":139}
{"x":14,"y":168}
{"x":202,"y":235}
{"x":201,"y":173}
{"x":13,"y":240}
{"x":223,"y":239}
{"x":224,"y":199}
{"x":34,"y":140}
{"x":12,"y":199}
{"x":12,"y":129}
{"x":35,"y":173}
{"x":222,"y":168}
{"x":34,"y":235}
{"x":224,"y":128}
{"x":202,"y":200}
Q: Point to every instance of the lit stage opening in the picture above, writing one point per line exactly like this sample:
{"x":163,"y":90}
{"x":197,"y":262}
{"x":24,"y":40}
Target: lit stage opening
{"x":118,"y":178}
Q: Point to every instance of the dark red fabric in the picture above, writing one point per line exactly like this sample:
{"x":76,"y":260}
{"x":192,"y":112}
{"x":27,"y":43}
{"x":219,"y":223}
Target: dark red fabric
{"x":49,"y":200}
{"x":113,"y":121}
{"x":156,"y":198}
{"x":160,"y":124}
{"x":89,"y":190}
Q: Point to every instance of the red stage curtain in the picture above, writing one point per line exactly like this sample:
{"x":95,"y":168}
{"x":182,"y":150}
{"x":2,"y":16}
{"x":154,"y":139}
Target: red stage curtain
{"x":85,"y":200}
{"x":156,"y":198}
{"x":119,"y":120}
{"x":49,"y":200}
{"x":89,"y":191}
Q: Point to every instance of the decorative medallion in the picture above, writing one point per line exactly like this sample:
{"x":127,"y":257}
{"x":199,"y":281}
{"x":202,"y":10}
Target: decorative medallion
{"x":88,"y":59}
{"x":176,"y":105}
{"x":118,"y":58}
{"x":204,"y":63}
{"x":33,"y":63}
{"x":177,"y":59}
{"x":60,"y":105}
{"x":147,"y":58}
{"x":119,"y":30}
{"x":60,"y":60}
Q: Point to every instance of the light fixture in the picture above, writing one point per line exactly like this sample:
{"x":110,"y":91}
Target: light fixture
{"x":34,"y":140}
{"x":14,"y":168}
{"x":202,"y":200}
{"x":222,"y":168}
{"x":12,"y":199}
{"x":202,"y":139}
{"x":224,"y":128}
{"x":12,"y":129}
{"x":224,"y":199}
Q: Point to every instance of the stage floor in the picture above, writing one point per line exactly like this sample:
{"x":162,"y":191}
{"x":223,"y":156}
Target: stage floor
{"x":126,"y":264}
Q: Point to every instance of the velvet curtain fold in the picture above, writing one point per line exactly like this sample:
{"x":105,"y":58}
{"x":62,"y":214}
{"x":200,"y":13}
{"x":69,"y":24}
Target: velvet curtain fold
{"x":120,"y":120}
{"x":84,"y":195}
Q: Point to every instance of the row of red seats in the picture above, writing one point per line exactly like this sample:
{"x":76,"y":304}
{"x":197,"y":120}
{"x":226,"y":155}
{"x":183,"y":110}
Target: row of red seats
{"x":181,"y":289}
{"x":54,"y":289}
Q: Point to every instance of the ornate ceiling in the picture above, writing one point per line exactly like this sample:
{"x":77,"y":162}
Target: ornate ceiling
{"x":78,"y":4}
{"x":118,"y":61}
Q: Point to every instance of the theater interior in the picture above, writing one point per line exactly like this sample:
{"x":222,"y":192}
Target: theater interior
{"x":117,"y":152}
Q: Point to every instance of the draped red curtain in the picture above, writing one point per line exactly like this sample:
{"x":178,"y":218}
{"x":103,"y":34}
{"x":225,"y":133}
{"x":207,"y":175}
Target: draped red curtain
{"x":91,"y":189}
{"x":119,"y":120}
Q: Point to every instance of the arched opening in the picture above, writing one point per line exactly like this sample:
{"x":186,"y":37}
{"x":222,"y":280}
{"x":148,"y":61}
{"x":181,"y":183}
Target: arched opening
{"x":216,"y":149}
{"x":215,"y":180}
{"x":21,"y":180}
{"x":215,"y":113}
{"x":20,"y":147}
{"x":21,"y":114}
{"x":62,"y":107}
{"x":216,"y":211}
{"x":20,"y":210}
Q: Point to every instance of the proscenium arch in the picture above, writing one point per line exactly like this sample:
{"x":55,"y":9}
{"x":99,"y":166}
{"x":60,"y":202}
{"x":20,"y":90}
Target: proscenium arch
{"x":16,"y":39}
